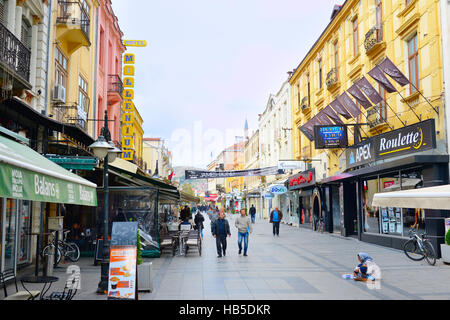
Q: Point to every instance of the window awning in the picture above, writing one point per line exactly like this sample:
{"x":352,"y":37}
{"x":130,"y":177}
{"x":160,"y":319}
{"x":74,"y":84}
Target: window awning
{"x":74,"y":163}
{"x":27,"y":175}
{"x":437,"y":198}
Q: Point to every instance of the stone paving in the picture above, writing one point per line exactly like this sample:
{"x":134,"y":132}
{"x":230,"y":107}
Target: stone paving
{"x":298,"y":265}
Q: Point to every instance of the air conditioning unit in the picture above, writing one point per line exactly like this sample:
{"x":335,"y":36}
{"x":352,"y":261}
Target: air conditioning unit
{"x":59,"y":94}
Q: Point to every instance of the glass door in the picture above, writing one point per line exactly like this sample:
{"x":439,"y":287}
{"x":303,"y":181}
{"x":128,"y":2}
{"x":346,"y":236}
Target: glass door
{"x":10,"y":229}
{"x":24,"y":228}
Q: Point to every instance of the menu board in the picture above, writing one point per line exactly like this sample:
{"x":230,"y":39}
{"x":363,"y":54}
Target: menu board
{"x":122,"y":272}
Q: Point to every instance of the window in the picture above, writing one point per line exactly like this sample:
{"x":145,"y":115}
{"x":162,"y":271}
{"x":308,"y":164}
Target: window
{"x":102,"y":48}
{"x":379,"y":19}
{"x":336,"y":59}
{"x":309,"y":91}
{"x":61,"y":68}
{"x":355,"y":37}
{"x":2,"y":11}
{"x":407,"y":2}
{"x":298,"y":95}
{"x":320,"y":74}
{"x":413,"y":63}
{"x":25,"y":35}
{"x":85,"y":17}
{"x":83,"y":101}
{"x":381,"y":107}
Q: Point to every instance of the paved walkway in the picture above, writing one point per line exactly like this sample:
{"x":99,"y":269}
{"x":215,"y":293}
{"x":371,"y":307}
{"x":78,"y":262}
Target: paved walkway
{"x":300,"y":265}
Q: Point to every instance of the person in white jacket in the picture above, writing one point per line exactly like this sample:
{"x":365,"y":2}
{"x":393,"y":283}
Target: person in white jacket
{"x":244,"y":226}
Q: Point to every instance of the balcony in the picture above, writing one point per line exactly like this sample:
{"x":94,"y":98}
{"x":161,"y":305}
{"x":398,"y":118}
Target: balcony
{"x":73,"y":25}
{"x":71,"y":114}
{"x":373,"y":42}
{"x":332,"y":79}
{"x":376,"y":117}
{"x":14,"y":62}
{"x":115,"y":88}
{"x":305,"y":107}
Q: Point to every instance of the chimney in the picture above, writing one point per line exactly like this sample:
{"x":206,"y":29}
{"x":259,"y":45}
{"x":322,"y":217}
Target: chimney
{"x":336,"y":10}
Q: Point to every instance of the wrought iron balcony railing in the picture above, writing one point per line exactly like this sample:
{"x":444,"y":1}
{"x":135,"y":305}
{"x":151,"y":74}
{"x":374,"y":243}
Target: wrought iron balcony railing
{"x":376,"y":116}
{"x":304,"y":104}
{"x":14,"y":54}
{"x":115,"y":84}
{"x":373,"y":37}
{"x":73,"y":13}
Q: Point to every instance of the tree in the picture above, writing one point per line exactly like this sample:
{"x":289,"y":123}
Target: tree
{"x":187,"y":188}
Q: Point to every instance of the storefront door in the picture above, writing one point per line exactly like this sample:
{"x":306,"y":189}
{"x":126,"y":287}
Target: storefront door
{"x":335,"y":209}
{"x":10,"y":231}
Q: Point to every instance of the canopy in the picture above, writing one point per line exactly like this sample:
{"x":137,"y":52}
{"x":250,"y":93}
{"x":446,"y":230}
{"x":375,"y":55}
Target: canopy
{"x":27,"y":175}
{"x":437,"y":198}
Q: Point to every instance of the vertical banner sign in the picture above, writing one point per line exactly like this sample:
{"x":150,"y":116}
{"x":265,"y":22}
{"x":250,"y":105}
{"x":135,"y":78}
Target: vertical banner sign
{"x":122,"y":282}
{"x":128,"y":107}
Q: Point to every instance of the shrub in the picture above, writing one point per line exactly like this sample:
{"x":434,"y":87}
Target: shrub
{"x":139,"y":249}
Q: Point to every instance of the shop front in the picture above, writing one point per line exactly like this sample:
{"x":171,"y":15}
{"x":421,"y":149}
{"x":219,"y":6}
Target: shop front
{"x":30,"y":187}
{"x":304,"y":197}
{"x":402,"y":159}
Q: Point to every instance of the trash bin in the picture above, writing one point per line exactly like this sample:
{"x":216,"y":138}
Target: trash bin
{"x":48,"y":262}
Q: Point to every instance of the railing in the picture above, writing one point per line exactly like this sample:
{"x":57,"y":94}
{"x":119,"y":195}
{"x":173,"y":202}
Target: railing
{"x":331,"y":78}
{"x":373,"y":36}
{"x":115,"y":84}
{"x":376,"y":116}
{"x":72,"y":12}
{"x":14,"y":54}
{"x":304,"y":104}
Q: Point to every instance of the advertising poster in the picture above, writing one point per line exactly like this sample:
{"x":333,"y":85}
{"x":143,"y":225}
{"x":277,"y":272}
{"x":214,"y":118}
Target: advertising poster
{"x":122,"y":272}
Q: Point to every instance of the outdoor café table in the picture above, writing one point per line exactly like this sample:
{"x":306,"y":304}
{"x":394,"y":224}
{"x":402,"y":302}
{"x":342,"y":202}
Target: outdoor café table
{"x":39,"y":280}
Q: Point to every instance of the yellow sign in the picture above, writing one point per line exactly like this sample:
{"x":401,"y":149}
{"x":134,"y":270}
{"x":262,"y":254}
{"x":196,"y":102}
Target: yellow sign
{"x":129,"y":58}
{"x":135,"y":43}
{"x":128,"y":94}
{"x":127,"y":143}
{"x":128,"y":71}
{"x":127,"y":118}
{"x":127,"y":106}
{"x":128,"y":155}
{"x":128,"y":82}
{"x":127,"y":131}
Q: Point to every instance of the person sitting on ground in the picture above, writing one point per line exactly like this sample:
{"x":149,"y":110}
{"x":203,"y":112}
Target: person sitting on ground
{"x":367,"y":269}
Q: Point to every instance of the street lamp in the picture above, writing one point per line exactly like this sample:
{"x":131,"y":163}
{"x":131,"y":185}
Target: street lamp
{"x":105,"y":149}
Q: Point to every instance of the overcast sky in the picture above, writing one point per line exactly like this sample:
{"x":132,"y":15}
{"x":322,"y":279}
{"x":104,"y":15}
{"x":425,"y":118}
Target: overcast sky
{"x":210,"y":64}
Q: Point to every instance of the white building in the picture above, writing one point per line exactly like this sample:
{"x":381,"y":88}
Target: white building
{"x":275,"y":140}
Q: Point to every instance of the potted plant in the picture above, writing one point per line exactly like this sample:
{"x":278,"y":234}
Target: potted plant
{"x":445,"y":249}
{"x":144,"y":269}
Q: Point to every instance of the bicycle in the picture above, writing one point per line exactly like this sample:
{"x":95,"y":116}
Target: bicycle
{"x":320,"y":225}
{"x":65,"y":249}
{"x":419,"y":248}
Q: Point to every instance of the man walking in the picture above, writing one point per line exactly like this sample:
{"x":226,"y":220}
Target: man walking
{"x":275,"y":217}
{"x":220,"y":230}
{"x":244,"y":226}
{"x":253,"y":213}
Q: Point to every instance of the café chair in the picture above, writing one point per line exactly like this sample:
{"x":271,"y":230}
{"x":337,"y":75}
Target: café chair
{"x":19,"y":295}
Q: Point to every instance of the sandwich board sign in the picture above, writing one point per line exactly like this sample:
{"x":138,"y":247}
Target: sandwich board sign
{"x":122,"y":277}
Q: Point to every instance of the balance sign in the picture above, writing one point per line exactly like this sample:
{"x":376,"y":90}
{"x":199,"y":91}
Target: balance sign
{"x":74,"y":280}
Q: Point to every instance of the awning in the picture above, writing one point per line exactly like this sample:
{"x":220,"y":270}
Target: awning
{"x":188,"y":198}
{"x":437,"y":198}
{"x":74,"y":163}
{"x":124,"y":165}
{"x":27,"y":175}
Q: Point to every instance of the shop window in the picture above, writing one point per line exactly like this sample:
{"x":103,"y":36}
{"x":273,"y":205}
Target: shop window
{"x":336,"y":209}
{"x":371,"y":215}
{"x":24,"y":249}
{"x":9,"y":228}
{"x":412,"y":218}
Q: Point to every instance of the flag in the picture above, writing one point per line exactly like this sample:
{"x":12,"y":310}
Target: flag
{"x":364,"y":85}
{"x":308,"y":128}
{"x":332,"y":115}
{"x":349,"y":104}
{"x":340,"y":109}
{"x":391,"y":70}
{"x":170,"y":176}
{"x":359,"y":96}
{"x":322,"y":117}
{"x":379,"y":77}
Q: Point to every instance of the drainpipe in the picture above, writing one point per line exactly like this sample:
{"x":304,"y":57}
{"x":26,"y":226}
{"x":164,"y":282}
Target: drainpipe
{"x":48,"y":57}
{"x":95,"y":75}
{"x":444,"y":9}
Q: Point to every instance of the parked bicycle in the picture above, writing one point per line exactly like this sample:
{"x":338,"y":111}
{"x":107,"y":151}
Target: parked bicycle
{"x":320,"y":225}
{"x":419,"y":248}
{"x":65,"y":249}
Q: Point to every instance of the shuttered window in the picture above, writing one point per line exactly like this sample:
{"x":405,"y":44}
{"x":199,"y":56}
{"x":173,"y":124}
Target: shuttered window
{"x":2,"y":12}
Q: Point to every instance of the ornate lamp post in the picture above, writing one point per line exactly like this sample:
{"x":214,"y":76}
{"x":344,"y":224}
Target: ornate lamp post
{"x":104,"y":149}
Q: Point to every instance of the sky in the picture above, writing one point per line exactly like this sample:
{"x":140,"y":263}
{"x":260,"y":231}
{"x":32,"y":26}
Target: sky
{"x":211,"y":64}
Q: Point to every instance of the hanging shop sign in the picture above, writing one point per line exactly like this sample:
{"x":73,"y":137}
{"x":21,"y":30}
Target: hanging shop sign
{"x":196,"y":174}
{"x":291,"y":165}
{"x":414,"y":138}
{"x":135,"y":43}
{"x":128,"y":107}
{"x":302,"y":180}
{"x":331,"y":137}
{"x":268,"y":195}
{"x":278,"y":189}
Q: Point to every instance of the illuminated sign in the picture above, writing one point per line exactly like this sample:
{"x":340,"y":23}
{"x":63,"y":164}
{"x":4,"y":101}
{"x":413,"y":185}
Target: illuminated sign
{"x":128,"y":71}
{"x":127,"y":118}
{"x":303,"y":179}
{"x":278,"y":189}
{"x":128,"y":155}
{"x":127,"y":130}
{"x":128,"y":94}
{"x":135,"y":43}
{"x":331,"y":137}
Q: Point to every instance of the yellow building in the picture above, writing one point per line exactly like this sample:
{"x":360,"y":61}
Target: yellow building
{"x":72,"y":63}
{"x":402,"y":143}
{"x":132,"y":135}
{"x":360,"y":35}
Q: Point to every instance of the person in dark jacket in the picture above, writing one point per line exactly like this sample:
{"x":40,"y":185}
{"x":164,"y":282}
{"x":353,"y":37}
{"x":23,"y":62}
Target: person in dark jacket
{"x":220,"y":230}
{"x":275,"y":217}
{"x":198,"y":221}
{"x":253,"y":213}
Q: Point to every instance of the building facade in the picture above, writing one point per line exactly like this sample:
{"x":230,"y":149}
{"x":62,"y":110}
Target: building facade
{"x":361,"y":38}
{"x":156,"y":157}
{"x":252,"y":184}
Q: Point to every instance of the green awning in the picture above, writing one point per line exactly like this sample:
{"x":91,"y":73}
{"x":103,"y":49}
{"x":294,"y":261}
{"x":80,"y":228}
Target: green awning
{"x":74,"y":163}
{"x":27,"y":175}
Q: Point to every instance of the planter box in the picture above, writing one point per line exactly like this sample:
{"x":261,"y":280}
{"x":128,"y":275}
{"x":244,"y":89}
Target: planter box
{"x":445,"y":252}
{"x":145,"y":277}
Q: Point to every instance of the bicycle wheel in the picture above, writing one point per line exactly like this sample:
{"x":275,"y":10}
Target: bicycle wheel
{"x":413,"y":251}
{"x":72,"y":252}
{"x":48,"y":248}
{"x":429,"y":253}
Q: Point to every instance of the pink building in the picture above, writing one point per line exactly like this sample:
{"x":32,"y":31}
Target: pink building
{"x":109,"y":70}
